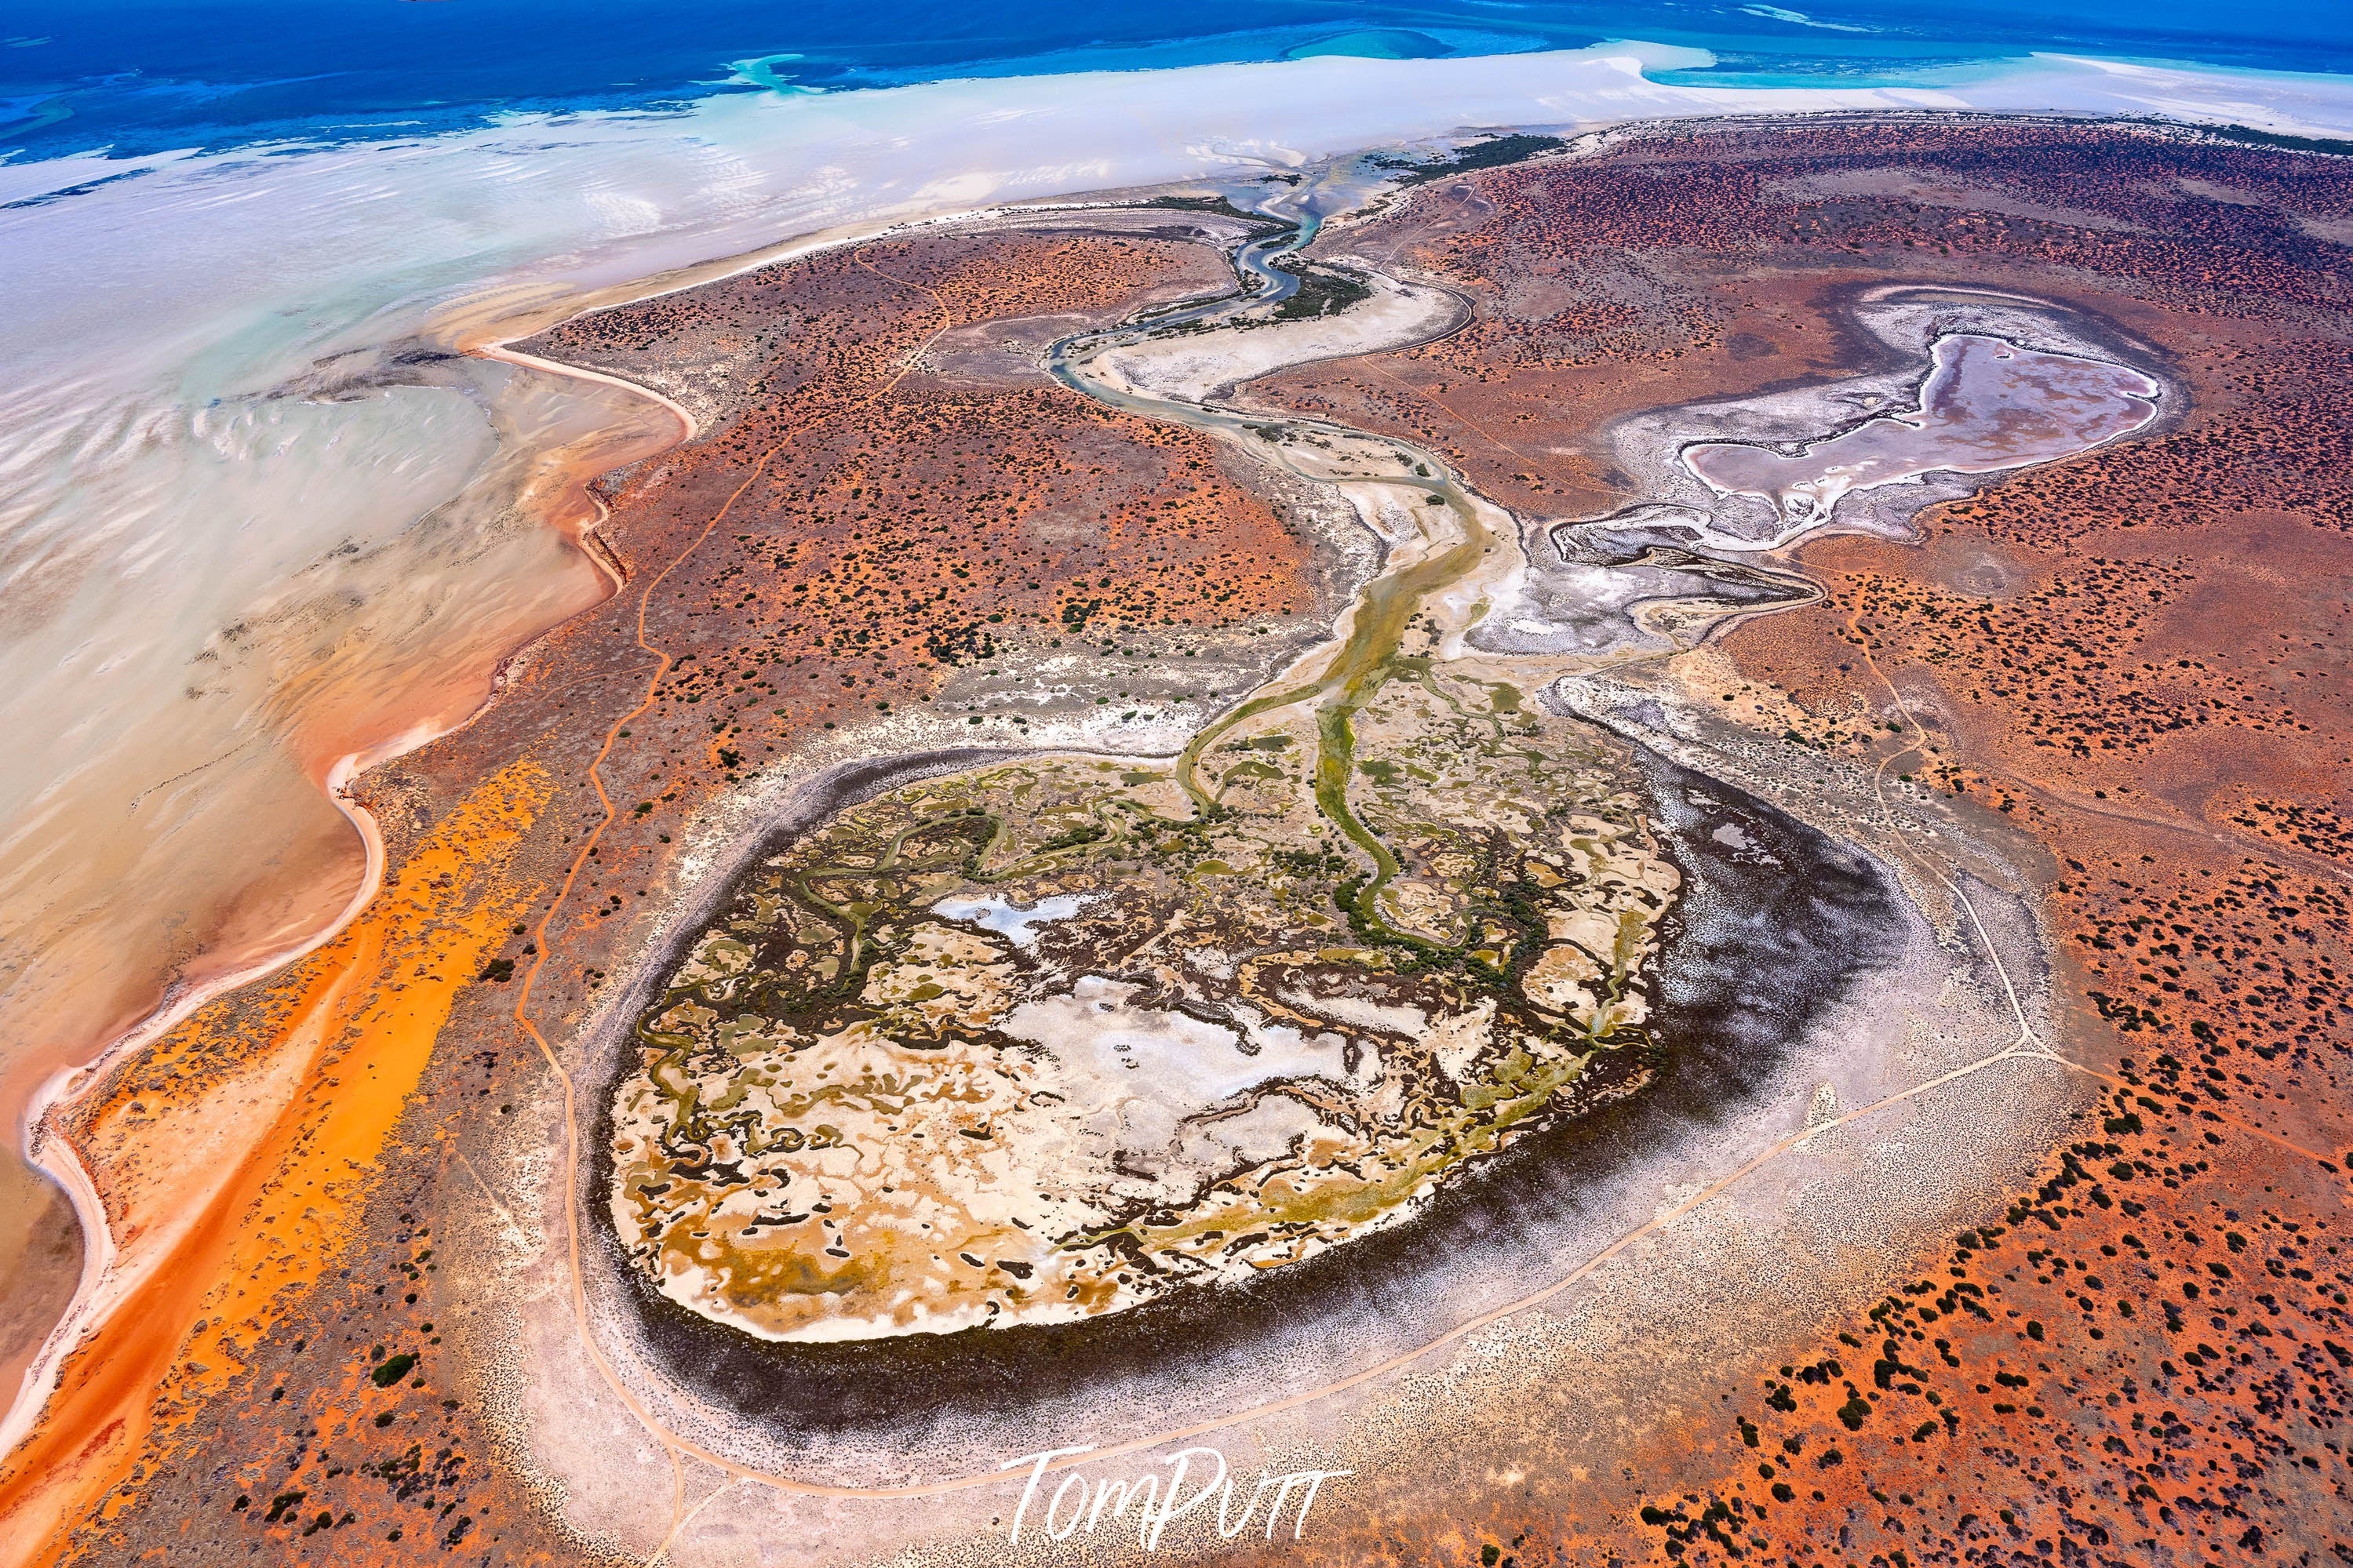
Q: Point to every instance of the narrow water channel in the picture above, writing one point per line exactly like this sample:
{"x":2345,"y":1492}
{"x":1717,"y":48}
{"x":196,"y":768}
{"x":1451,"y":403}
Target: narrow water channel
{"x":1376,"y":623}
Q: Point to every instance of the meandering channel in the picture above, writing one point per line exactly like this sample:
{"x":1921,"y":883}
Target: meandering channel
{"x":1376,"y":623}
{"x":1440,"y":532}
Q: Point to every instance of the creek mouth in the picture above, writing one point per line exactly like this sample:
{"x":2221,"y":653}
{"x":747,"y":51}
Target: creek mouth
{"x":1778,"y":925}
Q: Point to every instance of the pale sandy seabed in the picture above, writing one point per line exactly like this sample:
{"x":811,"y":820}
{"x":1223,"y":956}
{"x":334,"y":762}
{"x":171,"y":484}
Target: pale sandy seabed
{"x":247,"y":533}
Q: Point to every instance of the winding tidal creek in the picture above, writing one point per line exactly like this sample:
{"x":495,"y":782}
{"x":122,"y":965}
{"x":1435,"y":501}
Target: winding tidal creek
{"x":1371,"y":927}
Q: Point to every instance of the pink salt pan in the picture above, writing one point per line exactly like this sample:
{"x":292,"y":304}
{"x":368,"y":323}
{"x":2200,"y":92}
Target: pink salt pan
{"x":1986,"y":405}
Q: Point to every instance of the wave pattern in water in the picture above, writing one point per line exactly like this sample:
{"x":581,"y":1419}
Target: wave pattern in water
{"x":141,"y":77}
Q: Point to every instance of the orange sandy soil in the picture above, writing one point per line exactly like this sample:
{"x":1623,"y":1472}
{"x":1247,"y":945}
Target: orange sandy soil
{"x":850,"y":534}
{"x":2139,"y":656}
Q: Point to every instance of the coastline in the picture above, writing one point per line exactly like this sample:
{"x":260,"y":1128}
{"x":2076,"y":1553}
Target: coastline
{"x":53,"y":1153}
{"x":101,"y":1290}
{"x":103,"y":1287}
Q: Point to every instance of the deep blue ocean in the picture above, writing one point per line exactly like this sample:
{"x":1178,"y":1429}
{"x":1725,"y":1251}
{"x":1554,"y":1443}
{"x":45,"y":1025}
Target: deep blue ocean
{"x":140,"y":75}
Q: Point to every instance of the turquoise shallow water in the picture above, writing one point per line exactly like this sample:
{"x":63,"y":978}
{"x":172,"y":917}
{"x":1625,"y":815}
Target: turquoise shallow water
{"x":140,"y":75}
